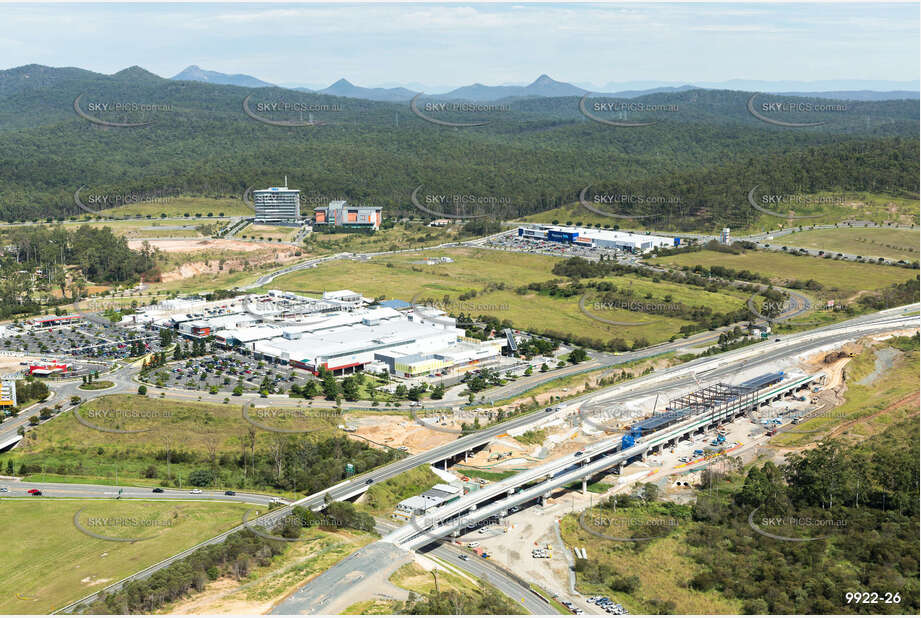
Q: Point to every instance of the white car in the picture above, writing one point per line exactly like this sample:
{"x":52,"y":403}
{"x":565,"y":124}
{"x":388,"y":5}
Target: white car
{"x":3,"y":490}
{"x":195,"y":491}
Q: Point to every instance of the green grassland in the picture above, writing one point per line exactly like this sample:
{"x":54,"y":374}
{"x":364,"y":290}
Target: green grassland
{"x":141,"y":229}
{"x":180,"y":206}
{"x":892,"y":244}
{"x":47,"y":562}
{"x":475,"y":269}
{"x":270,"y":232}
{"x":661,"y":566}
{"x":381,"y":498}
{"x":67,"y":448}
{"x":402,"y":235}
{"x":839,"y":279}
{"x":865,"y":400}
{"x":878,"y":208}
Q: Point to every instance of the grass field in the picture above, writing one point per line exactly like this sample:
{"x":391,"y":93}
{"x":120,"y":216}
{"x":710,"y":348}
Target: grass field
{"x":661,"y":566}
{"x":273,"y":232}
{"x":47,"y":562}
{"x":400,"y":276}
{"x":840,"y":279}
{"x":381,"y":498}
{"x":877,"y":208}
{"x":143,"y":229}
{"x":865,"y":400}
{"x":892,"y":244}
{"x":180,"y":206}
{"x":68,"y":448}
{"x":401,"y":236}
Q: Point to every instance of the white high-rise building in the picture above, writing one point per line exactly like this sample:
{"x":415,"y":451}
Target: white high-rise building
{"x":277,"y":204}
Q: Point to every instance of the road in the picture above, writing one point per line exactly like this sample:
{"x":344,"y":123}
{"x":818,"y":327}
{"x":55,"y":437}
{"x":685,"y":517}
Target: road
{"x":788,"y":346}
{"x":18,"y":489}
{"x":334,"y":590}
{"x":317,"y":591}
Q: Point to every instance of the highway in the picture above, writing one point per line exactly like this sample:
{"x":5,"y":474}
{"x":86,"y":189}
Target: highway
{"x":588,"y":462}
{"x":18,"y":489}
{"x":716,"y":366}
{"x":332,"y":591}
{"x":722,"y":366}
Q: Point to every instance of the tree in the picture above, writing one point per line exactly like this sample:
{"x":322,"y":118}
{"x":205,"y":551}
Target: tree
{"x":439,"y":391}
{"x":577,"y":356}
{"x":142,"y":390}
{"x":330,"y":386}
{"x":201,"y":477}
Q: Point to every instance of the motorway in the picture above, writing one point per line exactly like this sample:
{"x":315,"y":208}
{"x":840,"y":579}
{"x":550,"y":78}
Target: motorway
{"x":723,"y":365}
{"x":18,"y":489}
{"x":588,"y":462}
{"x":329,"y":591}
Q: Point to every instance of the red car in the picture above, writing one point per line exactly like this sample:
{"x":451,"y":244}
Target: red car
{"x":34,"y":491}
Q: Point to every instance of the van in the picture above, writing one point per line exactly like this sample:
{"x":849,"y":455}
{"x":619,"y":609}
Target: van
{"x":473,"y":544}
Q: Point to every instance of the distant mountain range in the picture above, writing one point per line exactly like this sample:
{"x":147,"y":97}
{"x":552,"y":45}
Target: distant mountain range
{"x":545,"y":86}
{"x":194,"y":73}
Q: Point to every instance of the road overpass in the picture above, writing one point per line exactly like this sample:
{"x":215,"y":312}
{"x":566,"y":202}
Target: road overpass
{"x":726,"y":364}
{"x":539,"y":482}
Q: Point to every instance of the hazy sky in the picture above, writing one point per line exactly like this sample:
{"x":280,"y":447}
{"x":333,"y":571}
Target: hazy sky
{"x":457,"y":44}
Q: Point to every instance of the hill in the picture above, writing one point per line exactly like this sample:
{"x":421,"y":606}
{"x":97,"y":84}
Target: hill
{"x":534,"y":154}
{"x":194,"y":73}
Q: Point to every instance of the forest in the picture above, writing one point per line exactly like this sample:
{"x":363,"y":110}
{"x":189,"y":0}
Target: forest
{"x":539,"y":155}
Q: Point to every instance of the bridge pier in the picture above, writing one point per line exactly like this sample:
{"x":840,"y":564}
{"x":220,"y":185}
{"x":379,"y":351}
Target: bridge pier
{"x":584,"y":485}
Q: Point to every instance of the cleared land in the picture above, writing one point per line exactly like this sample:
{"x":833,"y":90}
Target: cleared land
{"x":892,"y":244}
{"x":316,"y":550}
{"x":877,"y":208}
{"x":840,"y":279}
{"x":880,"y":382}
{"x":401,"y":236}
{"x":495,"y":276}
{"x":40,"y":538}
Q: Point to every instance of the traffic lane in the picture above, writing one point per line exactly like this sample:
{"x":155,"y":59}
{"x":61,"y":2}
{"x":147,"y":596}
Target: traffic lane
{"x":67,"y":490}
{"x":483,"y":569}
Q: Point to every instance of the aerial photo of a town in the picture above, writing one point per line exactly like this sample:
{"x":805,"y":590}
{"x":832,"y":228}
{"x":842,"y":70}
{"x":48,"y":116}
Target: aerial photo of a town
{"x":460,"y":308}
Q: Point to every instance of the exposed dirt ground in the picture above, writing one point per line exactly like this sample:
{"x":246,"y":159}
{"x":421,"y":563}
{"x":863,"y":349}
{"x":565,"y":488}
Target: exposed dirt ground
{"x":255,"y":255}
